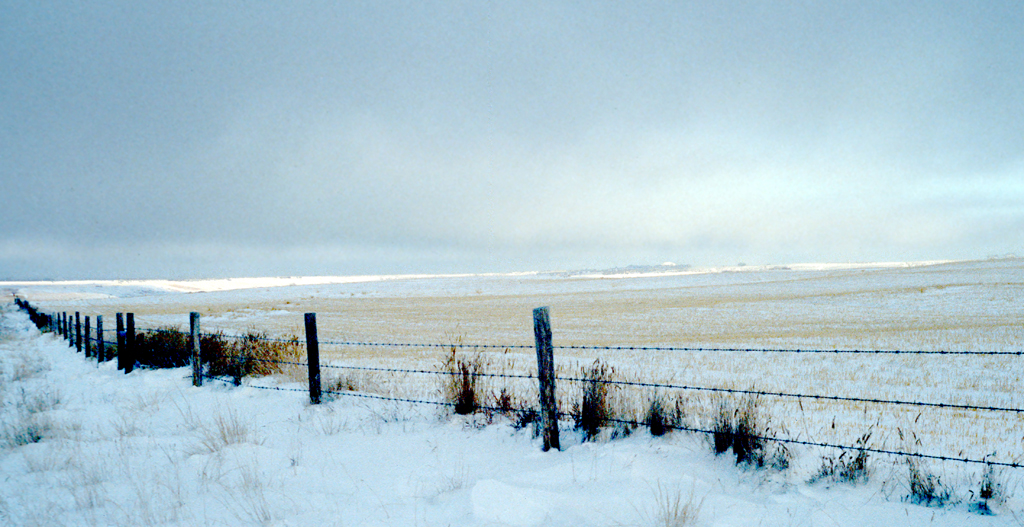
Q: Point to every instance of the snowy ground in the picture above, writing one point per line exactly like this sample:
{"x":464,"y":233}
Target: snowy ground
{"x":150,"y":449}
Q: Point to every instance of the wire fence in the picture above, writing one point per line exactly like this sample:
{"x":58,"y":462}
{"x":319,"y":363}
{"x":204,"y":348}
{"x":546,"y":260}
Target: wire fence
{"x":254,"y":337}
{"x":628,"y":422}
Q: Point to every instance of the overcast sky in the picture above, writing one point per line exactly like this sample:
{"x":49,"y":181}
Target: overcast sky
{"x":209,"y":139}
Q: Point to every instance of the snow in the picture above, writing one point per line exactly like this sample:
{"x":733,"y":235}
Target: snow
{"x":148,"y":448}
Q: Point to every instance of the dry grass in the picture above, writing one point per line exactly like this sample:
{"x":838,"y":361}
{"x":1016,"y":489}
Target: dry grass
{"x":461,"y":385}
{"x":30,"y":422}
{"x":593,"y":411}
{"x":670,"y":508}
{"x":166,"y":347}
{"x":925,"y":487}
{"x":848,"y":467}
{"x":253,"y":354}
{"x":963,"y":306}
{"x":742,"y":427}
{"x":227,"y":428}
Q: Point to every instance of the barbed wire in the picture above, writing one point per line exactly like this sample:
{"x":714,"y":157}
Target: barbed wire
{"x":466,"y":373}
{"x":654,"y":385}
{"x":389,"y":370}
{"x":424,"y":345}
{"x":829,"y":445}
{"x":696,"y":349}
{"x":785,"y":350}
{"x":793,"y":395}
{"x":567,"y":415}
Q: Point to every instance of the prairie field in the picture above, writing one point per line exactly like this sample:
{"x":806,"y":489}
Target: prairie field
{"x":778,"y":331}
{"x":946,"y":306}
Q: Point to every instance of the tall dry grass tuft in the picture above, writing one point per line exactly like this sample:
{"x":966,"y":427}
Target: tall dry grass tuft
{"x":461,"y":386}
{"x":661,"y":418}
{"x":671,"y":509}
{"x":228,"y":428}
{"x":848,"y":467}
{"x":926,"y":488}
{"x":592,"y":411}
{"x":742,"y":427}
{"x":991,"y":491}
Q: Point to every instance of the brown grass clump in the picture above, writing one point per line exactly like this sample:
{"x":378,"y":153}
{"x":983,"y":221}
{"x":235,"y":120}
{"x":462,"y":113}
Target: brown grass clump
{"x":848,"y":467}
{"x":461,"y":385}
{"x":661,"y":417}
{"x":592,"y":411}
{"x":251,"y":354}
{"x":162,"y":348}
{"x":743,"y":428}
{"x":926,"y":488}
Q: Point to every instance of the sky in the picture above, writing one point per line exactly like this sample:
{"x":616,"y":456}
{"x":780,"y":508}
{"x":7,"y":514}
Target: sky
{"x":212,"y":139}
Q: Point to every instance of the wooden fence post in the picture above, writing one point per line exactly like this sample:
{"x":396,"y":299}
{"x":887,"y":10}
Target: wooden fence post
{"x":64,"y":324}
{"x":120,"y":341}
{"x":194,"y":345}
{"x":313,"y":358}
{"x":129,"y":341}
{"x":88,"y":338}
{"x":546,"y":376}
{"x":101,"y":347}
{"x":78,"y":331}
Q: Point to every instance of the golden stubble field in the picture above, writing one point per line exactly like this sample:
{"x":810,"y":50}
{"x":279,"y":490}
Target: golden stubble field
{"x":959,"y":306}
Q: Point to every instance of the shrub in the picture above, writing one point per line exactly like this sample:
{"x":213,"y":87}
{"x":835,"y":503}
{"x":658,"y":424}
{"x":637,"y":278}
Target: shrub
{"x":215,"y":353}
{"x":163,"y":348}
{"x":251,"y":354}
{"x":460,"y":385}
{"x":592,"y":412}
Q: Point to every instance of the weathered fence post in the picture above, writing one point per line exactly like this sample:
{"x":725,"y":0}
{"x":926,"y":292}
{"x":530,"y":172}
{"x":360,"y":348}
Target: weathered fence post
{"x":546,"y":376}
{"x":64,"y":324}
{"x":194,"y":344}
{"x":120,"y":341}
{"x":78,"y":331}
{"x":129,"y":341}
{"x":88,"y":338}
{"x":313,"y":358}
{"x":101,"y":348}
{"x":66,"y":333}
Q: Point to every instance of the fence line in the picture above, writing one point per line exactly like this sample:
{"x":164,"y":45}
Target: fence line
{"x":66,"y":326}
{"x":699,"y":349}
{"x":613,"y":382}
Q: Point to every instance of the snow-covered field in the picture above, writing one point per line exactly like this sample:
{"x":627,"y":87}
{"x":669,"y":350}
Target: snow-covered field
{"x":150,"y":449}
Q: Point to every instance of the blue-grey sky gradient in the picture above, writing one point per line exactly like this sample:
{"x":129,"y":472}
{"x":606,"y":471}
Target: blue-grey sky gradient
{"x":208,"y":139}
